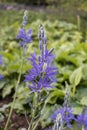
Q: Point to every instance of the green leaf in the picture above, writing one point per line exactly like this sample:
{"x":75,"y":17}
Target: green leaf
{"x":77,"y":110}
{"x":54,"y":95}
{"x":7,"y":90}
{"x":84,"y":100}
{"x":19,"y":106}
{"x":75,"y":78}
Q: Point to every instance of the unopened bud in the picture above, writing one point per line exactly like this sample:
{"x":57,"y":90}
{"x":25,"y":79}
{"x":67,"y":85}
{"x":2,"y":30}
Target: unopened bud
{"x":25,"y":18}
{"x":58,"y":123}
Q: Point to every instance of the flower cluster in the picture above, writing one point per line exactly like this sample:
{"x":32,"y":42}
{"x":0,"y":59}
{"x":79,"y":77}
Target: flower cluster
{"x":82,"y":119}
{"x":24,"y":36}
{"x":65,"y":111}
{"x":43,"y":72}
{"x":67,"y":116}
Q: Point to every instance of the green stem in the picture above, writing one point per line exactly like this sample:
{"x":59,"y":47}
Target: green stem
{"x":12,"y":106}
{"x":30,"y":126}
{"x":34,"y":111}
{"x":34,"y":127}
{"x":26,"y":119}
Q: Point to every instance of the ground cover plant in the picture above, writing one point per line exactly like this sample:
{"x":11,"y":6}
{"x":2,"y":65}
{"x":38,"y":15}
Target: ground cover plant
{"x":70,"y":59}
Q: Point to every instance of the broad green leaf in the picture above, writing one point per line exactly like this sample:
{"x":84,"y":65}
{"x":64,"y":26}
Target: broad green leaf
{"x":75,"y":78}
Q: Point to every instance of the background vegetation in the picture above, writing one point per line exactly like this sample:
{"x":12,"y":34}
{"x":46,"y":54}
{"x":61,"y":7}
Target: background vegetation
{"x":70,"y":49}
{"x":73,"y":11}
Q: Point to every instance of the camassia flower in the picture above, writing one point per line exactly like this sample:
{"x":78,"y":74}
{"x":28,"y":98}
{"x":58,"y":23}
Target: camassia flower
{"x":24,"y":36}
{"x":67,"y":116}
{"x":65,"y":111}
{"x":82,"y":119}
{"x":43,"y":72}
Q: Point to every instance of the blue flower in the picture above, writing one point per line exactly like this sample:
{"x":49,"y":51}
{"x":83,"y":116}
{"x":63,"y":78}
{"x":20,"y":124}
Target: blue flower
{"x":24,"y":37}
{"x":66,"y":111}
{"x":43,"y":73}
{"x":82,"y":119}
{"x":67,"y":116}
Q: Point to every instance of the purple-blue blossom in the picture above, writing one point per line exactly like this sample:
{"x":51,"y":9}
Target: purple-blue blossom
{"x":82,"y":119}
{"x":43,"y":72}
{"x":67,"y":116}
{"x":66,"y":110}
{"x":24,"y":36}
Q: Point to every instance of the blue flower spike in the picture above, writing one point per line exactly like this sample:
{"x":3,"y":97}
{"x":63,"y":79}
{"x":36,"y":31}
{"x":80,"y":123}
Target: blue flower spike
{"x":25,"y":37}
{"x":43,"y":72}
{"x":65,"y":111}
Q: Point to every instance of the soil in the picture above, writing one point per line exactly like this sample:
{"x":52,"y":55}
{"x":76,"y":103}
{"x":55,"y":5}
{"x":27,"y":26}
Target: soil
{"x":17,"y":121}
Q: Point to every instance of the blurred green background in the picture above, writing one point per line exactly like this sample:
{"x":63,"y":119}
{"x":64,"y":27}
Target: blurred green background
{"x":65,"y":24}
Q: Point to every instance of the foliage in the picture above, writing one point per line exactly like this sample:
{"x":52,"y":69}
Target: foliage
{"x":71,"y":60}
